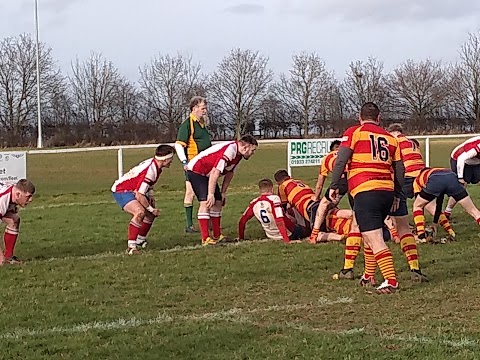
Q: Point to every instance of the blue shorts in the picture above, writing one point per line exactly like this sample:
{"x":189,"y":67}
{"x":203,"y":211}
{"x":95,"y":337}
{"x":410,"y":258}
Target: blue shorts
{"x":444,"y":183}
{"x":123,"y":198}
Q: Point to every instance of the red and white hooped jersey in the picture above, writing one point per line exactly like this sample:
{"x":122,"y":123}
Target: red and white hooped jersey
{"x":267,"y":209}
{"x":220,"y":156}
{"x":6,"y":199}
{"x":472,"y":147}
{"x":140,"y":178}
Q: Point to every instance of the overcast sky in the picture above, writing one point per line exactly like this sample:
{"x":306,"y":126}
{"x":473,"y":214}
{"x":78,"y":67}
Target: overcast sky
{"x":130,"y":33}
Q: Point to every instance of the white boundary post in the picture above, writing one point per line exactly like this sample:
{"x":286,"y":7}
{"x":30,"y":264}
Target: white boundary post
{"x":427,"y":151}
{"x":120,"y":162}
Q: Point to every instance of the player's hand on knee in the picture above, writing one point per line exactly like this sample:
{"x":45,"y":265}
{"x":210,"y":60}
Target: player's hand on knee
{"x":210,"y":201}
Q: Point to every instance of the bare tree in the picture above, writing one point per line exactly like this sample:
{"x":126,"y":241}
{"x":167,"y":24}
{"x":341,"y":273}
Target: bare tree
{"x":167,"y":84}
{"x":465,"y":76}
{"x":329,"y":114}
{"x":419,"y":90}
{"x":305,"y":87}
{"x":18,"y":90}
{"x":364,"y":81}
{"x":95,"y":86}
{"x":239,"y":85}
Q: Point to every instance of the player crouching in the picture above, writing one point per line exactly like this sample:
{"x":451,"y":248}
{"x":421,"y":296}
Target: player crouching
{"x":134,"y":193}
{"x":12,"y":197}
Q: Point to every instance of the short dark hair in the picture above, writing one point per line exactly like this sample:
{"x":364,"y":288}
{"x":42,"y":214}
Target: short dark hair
{"x":334,"y":143}
{"x":369,"y":111}
{"x":265,"y":184}
{"x":249,"y":139}
{"x":395,"y":127}
{"x":197,"y":100}
{"x":281,"y":175}
{"x":25,"y":186}
{"x":163,"y":150}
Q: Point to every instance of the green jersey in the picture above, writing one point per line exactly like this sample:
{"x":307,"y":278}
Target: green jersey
{"x":193,"y":136}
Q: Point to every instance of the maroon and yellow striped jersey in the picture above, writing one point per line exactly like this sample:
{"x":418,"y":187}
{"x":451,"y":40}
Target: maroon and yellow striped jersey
{"x":422,"y":178}
{"x":297,"y":194}
{"x":374,"y":151}
{"x":328,"y":162}
{"x":339,"y":225}
{"x":411,"y":156}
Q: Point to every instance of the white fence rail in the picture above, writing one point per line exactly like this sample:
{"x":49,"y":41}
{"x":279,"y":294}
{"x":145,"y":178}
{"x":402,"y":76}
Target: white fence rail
{"x":120,"y":148}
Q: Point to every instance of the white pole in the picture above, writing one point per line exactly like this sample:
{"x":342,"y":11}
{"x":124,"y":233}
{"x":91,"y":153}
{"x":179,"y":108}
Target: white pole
{"x":120,"y":162}
{"x":39,"y":115}
{"x":427,"y":152}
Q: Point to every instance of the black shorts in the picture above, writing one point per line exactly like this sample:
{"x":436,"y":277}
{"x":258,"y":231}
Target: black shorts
{"x":299,"y":233}
{"x":443,"y":183}
{"x":200,"y":186}
{"x":371,"y":209}
{"x":408,"y":187}
{"x":471,"y":173}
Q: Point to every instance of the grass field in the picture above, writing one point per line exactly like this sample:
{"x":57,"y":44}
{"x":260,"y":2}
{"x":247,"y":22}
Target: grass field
{"x":78,"y":296}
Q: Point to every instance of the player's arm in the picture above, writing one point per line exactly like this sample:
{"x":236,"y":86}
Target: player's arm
{"x":438,"y":208}
{"x":143,"y":190}
{"x":344,"y":154}
{"x":247,"y":215}
{"x":319,"y":186}
{"x":182,"y":141}
{"x":226,"y":182}
{"x":279,"y":221}
{"x":461,"y":161}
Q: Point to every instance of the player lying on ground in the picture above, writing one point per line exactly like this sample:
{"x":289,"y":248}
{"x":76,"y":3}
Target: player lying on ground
{"x":134,"y":193}
{"x":435,"y":183}
{"x":267,"y":208}
{"x":12,"y":197}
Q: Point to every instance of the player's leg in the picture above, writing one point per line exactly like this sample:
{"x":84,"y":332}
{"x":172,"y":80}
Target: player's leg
{"x":419,"y":204}
{"x":147,"y":223}
{"x":10,"y":236}
{"x":466,"y":202}
{"x":451,"y":201}
{"x":188,"y":204}
{"x":371,"y":209}
{"x":216,"y":215}
{"x":129,"y":204}
{"x":329,"y":236}
{"x":353,"y":245}
{"x":138,"y":213}
{"x":407,"y":240}
{"x":442,"y":220}
{"x":392,"y":229}
{"x":200,"y":188}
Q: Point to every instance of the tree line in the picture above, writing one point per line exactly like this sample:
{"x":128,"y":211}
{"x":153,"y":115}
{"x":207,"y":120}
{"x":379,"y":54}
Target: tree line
{"x":96,"y":104}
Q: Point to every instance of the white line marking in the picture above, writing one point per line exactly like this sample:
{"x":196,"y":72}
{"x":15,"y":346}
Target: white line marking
{"x":177,"y":249}
{"x":245,"y":190}
{"x":165,"y":318}
{"x":235,"y":315}
{"x":49,"y":206}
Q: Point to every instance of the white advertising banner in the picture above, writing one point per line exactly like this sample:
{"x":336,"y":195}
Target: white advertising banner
{"x":13,"y":166}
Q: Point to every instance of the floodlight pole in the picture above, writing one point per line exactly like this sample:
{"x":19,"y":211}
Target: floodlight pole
{"x":39,"y":114}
